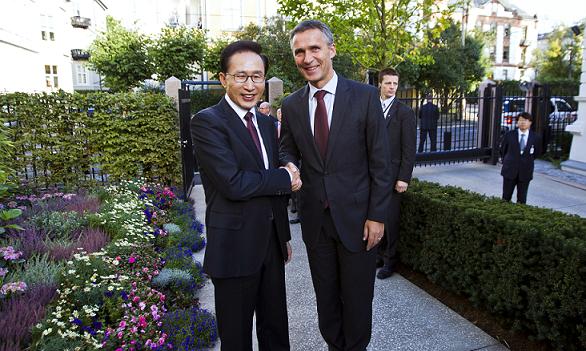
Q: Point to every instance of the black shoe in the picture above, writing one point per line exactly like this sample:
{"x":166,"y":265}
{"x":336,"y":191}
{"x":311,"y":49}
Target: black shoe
{"x":385,"y":272}
{"x":379,"y":262}
{"x":294,"y":221}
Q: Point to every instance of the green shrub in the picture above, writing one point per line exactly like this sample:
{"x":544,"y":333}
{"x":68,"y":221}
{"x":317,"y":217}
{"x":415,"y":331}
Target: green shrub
{"x":59,"y":226}
{"x":201,"y":99}
{"x":522,"y":263}
{"x":62,"y":137}
{"x":38,"y":270}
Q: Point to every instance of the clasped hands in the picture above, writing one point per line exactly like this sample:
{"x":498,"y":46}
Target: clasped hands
{"x":296,"y":180}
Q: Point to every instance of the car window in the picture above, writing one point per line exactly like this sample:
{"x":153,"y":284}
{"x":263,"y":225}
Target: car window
{"x":563,"y":106}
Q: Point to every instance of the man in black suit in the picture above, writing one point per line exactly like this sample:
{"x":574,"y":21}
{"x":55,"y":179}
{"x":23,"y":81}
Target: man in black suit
{"x":335,"y":127}
{"x":429,"y":115}
{"x":246,"y":214}
{"x":401,"y":128}
{"x":519,"y":149}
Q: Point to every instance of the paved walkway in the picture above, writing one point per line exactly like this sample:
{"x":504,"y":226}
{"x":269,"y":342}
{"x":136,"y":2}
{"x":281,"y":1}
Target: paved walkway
{"x":406,"y":317}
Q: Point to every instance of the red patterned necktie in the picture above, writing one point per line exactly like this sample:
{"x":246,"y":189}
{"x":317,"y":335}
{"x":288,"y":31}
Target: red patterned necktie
{"x":320,"y":124}
{"x":252,"y":131}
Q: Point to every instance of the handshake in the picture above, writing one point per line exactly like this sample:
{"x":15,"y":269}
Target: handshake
{"x":296,"y":176}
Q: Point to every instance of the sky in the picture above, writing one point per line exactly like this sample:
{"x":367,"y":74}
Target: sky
{"x":553,"y":12}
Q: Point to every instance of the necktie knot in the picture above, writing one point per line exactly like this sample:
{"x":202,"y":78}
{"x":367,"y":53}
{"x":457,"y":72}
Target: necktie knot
{"x":248,"y":116}
{"x":319,"y":95}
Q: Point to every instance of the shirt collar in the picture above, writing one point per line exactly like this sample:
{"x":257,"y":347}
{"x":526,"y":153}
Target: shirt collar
{"x":525,"y":132}
{"x":330,"y":86}
{"x":388,"y":101}
{"x":239,"y":110}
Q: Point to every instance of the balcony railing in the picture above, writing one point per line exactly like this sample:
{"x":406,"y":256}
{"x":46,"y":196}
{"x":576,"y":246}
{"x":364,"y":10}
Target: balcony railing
{"x":80,"y":22}
{"x":79,"y":54}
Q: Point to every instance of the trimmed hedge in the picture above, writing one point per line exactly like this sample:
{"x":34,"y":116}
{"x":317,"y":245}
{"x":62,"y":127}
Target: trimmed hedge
{"x":65,"y":139}
{"x":524,"y":264}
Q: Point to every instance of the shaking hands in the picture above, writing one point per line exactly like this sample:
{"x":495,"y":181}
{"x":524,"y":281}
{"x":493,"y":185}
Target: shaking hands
{"x":296,"y":176}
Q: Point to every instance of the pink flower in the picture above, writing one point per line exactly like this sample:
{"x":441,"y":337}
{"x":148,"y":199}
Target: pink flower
{"x":119,"y":335}
{"x":119,"y":349}
{"x":131,"y":259}
{"x":145,"y":270}
{"x":133,"y":330}
{"x":142,"y":305}
{"x":12,"y":287}
{"x":142,"y":322}
{"x":9,"y":253}
{"x":122,"y":324}
{"x":136,"y":299}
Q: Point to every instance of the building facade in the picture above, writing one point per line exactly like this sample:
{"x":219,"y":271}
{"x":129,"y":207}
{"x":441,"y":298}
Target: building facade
{"x":43,"y":44}
{"x":512,"y":34}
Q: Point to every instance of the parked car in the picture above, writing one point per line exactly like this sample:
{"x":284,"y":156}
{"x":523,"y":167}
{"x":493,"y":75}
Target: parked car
{"x":560,"y":116}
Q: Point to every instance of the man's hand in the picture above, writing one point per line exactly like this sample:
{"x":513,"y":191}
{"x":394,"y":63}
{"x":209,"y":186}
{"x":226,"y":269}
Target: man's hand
{"x":289,"y":252}
{"x":296,"y":181}
{"x":401,"y":186}
{"x":373,"y":233}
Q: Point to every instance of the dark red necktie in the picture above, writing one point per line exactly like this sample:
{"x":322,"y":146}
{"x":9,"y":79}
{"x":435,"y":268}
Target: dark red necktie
{"x":320,"y":124}
{"x":252,"y":131}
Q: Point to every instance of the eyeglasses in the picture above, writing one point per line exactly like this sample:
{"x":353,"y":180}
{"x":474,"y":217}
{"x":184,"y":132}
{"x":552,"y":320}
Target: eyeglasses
{"x":242,"y":78}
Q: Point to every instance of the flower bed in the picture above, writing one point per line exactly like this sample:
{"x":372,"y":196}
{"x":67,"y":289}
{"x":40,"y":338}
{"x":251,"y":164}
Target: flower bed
{"x":119,"y":277}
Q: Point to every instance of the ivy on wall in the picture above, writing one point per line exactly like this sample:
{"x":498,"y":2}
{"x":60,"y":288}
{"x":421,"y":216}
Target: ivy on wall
{"x":64,"y":139}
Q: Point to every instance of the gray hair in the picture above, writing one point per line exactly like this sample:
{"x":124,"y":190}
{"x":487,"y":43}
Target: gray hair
{"x":313,"y":24}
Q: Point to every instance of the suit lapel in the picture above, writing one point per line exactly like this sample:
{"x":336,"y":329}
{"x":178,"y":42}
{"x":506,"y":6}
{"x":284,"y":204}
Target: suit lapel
{"x":340,"y":111}
{"x":236,"y":124}
{"x":392,"y":112}
{"x":302,"y":105}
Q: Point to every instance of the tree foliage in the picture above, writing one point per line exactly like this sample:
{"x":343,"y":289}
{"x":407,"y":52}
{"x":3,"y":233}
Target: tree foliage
{"x":273,"y":37}
{"x":376,"y":33}
{"x":178,"y":52}
{"x":562,"y":58}
{"x":455,"y":68}
{"x":120,"y":56}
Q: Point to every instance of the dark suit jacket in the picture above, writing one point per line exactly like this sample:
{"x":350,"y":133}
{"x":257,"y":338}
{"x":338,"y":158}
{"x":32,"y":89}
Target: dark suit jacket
{"x":429,"y":114}
{"x":515,"y":164}
{"x":243,"y":198}
{"x":401,"y":129}
{"x":355,"y":179}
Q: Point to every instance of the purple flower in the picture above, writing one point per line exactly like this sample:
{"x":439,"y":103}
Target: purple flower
{"x":12,"y":287}
{"x":3,"y":272}
{"x":8,"y":253}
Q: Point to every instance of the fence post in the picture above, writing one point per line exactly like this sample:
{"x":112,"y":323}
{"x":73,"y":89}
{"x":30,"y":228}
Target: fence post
{"x":538,"y":104}
{"x":487,"y":118}
{"x":275,"y":90}
{"x":172,"y":86}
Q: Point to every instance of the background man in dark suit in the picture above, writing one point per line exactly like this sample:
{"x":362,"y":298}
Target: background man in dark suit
{"x":428,"y":114}
{"x":246,"y":213}
{"x":401,"y":128}
{"x":519,"y":149}
{"x":335,"y":127}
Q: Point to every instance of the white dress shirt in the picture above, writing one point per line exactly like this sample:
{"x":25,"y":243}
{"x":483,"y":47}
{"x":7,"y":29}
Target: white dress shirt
{"x":330,"y":87}
{"x":241,"y":113}
{"x":386,"y":105}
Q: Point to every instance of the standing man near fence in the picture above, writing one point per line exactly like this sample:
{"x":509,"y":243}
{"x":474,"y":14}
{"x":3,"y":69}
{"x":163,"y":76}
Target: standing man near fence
{"x":429,"y":115}
{"x":335,"y":127}
{"x":246,"y":209}
{"x":519,"y":149}
{"x":402,"y":131}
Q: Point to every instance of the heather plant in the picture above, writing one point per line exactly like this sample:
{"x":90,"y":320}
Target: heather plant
{"x":19,"y":313}
{"x":171,"y":228}
{"x":190,"y":329}
{"x":180,"y":285}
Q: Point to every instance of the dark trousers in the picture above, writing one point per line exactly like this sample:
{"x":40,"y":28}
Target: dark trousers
{"x":387,"y":249}
{"x":344,"y":289}
{"x":237,"y":299}
{"x":423,"y":132}
{"x":522,"y":188}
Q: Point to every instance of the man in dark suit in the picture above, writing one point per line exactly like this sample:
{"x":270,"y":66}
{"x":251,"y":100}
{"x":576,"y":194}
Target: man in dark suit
{"x":401,"y":128}
{"x":335,"y":127}
{"x":246,"y":214}
{"x":519,"y":149}
{"x":429,"y":115}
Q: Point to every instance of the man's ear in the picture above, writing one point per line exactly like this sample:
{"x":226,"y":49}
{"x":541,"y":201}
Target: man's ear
{"x":222,"y":78}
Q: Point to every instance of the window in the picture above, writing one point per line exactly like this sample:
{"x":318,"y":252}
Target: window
{"x":505,"y":74}
{"x":51,"y":77}
{"x":507,"y":30}
{"x":232,"y":15}
{"x":492,"y":53}
{"x":506,"y":54}
{"x":47,"y":28}
{"x":563,"y":106}
{"x":81,"y":74}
